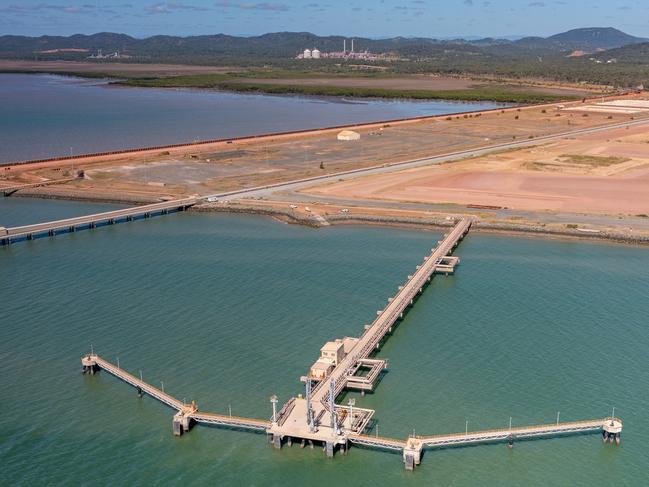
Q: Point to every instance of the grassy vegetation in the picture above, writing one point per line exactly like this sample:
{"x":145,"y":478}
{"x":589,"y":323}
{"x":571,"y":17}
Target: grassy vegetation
{"x":239,"y":84}
{"x":593,"y":160}
{"x":190,"y":81}
{"x":574,"y":161}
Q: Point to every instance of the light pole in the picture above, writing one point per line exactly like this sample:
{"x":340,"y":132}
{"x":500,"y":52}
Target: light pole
{"x":466,"y":428}
{"x":273,"y":400}
{"x":351,"y":404}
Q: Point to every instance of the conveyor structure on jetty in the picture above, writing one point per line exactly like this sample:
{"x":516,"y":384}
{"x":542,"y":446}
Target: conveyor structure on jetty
{"x":316,"y":418}
{"x":69,"y":225}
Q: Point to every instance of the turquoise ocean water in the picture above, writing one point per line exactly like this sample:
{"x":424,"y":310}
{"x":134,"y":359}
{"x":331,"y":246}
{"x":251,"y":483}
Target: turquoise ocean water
{"x":228,"y":310}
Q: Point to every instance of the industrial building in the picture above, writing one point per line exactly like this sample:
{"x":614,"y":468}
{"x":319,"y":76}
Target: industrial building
{"x":331,"y":354}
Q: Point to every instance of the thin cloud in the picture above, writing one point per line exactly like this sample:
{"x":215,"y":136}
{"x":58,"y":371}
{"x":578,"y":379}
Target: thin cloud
{"x":278,"y":7}
{"x":169,"y":7}
{"x":66,"y":9}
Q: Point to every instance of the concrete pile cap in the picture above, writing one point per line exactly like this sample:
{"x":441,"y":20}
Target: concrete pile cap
{"x":88,"y":360}
{"x":413,"y":444}
{"x":612,"y":425}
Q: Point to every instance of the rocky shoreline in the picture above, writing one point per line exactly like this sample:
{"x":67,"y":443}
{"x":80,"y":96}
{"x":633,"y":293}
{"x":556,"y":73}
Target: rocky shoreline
{"x":427,"y":223}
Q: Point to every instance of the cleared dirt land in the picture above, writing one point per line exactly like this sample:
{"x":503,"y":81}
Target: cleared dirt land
{"x":131,"y":69}
{"x":600,"y":173}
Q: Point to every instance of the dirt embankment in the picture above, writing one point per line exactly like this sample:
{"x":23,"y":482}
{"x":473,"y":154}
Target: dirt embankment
{"x":110,"y":69}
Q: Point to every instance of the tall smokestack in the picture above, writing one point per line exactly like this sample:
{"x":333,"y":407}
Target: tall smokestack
{"x":352,"y":45}
{"x":344,"y":45}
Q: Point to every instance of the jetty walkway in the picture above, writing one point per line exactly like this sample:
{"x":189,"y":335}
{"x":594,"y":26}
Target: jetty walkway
{"x":412,"y":447}
{"x":186,"y":414}
{"x":317,"y":418}
{"x":52,"y":228}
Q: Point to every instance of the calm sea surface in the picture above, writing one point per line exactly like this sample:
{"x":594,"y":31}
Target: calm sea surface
{"x":45,"y":116}
{"x":228,"y":310}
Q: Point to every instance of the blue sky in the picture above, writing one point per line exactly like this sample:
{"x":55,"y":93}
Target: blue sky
{"x":378,"y":18}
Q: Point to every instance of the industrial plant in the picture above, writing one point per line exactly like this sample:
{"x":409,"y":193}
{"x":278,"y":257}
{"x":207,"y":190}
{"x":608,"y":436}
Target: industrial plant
{"x":344,"y":54}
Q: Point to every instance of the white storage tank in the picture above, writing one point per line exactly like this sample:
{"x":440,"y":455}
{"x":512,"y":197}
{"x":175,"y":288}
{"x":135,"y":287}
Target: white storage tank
{"x":348,"y":135}
{"x":315,"y":54}
{"x":307,"y":54}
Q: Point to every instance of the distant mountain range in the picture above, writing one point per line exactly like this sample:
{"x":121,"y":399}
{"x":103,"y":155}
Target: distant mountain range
{"x":588,"y":40}
{"x":284,"y":45}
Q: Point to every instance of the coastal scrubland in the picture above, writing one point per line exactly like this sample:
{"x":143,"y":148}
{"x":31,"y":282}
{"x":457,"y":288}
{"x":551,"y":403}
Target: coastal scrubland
{"x":317,"y":82}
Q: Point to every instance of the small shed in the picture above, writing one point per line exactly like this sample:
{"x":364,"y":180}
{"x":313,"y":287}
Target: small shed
{"x":348,"y":135}
{"x":321,"y":369}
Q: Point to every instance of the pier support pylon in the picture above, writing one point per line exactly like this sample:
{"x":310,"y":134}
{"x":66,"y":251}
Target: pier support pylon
{"x":277,"y":441}
{"x":412,"y":453}
{"x":329,"y":449}
{"x":182,"y":422}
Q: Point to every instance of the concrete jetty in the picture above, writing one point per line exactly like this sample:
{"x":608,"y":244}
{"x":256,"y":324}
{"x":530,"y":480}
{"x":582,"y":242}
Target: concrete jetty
{"x":317,"y":417}
{"x":57,"y":227}
{"x":348,"y":363}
